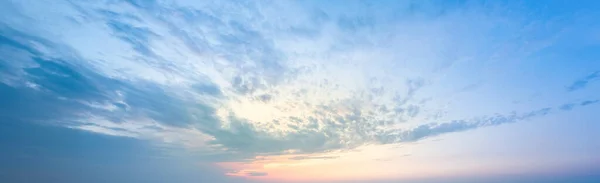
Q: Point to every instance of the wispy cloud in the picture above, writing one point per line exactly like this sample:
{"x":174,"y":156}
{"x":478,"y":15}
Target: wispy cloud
{"x":583,"y":82}
{"x":312,"y":157}
{"x":256,"y":174}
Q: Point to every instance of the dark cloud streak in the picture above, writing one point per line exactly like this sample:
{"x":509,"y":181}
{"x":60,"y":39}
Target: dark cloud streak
{"x":584,"y":82}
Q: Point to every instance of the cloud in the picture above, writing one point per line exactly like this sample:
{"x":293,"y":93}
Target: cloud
{"x":138,"y":37}
{"x":257,"y":174}
{"x":41,"y":153}
{"x":240,"y":79}
{"x":435,"y":129}
{"x":73,"y":96}
{"x":313,"y":157}
{"x":567,"y":107}
{"x":589,"y":102}
{"x":583,"y":82}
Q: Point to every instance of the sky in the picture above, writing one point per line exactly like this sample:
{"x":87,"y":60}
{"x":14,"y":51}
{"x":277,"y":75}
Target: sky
{"x":423,"y":91}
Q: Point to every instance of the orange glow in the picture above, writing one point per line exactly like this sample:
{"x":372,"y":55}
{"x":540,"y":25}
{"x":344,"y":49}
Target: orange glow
{"x":371,"y":162}
{"x":364,"y":163}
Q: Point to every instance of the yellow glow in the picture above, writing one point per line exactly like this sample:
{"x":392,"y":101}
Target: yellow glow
{"x":369,"y":163}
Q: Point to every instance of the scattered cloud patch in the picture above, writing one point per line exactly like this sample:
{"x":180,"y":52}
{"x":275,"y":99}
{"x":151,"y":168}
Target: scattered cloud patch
{"x":583,"y":82}
{"x":257,"y":174}
{"x":313,"y":157}
{"x":589,"y":102}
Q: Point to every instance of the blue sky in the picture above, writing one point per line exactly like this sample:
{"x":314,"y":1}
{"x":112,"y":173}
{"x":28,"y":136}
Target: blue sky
{"x":299,"y":91}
